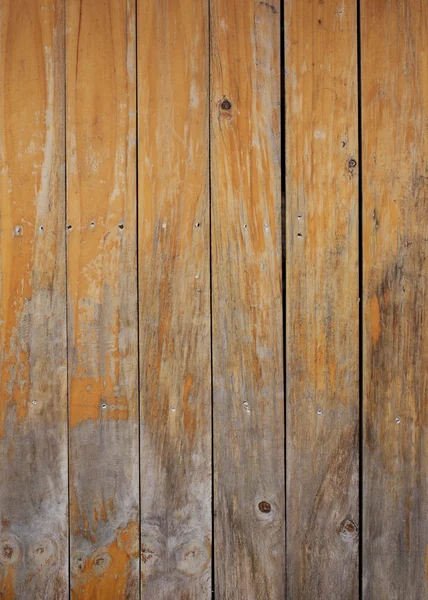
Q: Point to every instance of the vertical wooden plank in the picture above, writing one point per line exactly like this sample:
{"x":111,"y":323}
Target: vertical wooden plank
{"x":395,"y":231}
{"x":33,"y":398}
{"x":322,"y":314}
{"x":102,"y":316}
{"x":174,"y":299}
{"x":247,"y":300}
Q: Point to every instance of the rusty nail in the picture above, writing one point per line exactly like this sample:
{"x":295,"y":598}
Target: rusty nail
{"x":226,"y":105}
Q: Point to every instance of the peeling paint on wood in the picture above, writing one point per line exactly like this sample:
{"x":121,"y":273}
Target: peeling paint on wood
{"x":174,"y":284}
{"x":33,"y":400}
{"x":116,"y":462}
{"x":102,"y":298}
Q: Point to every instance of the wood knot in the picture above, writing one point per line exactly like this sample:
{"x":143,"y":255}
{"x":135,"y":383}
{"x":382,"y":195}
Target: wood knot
{"x":226,"y":105}
{"x":9,"y":550}
{"x":265,"y":507}
{"x":153,"y":550}
{"x":193,"y":556}
{"x":101,"y":561}
{"x":77,"y":563}
{"x":352,"y":163}
{"x":43,"y":552}
{"x":348,"y":530}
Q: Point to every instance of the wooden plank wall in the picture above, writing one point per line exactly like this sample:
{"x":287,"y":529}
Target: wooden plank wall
{"x":213,"y":358}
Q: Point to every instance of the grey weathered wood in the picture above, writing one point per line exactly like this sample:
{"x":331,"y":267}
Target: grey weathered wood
{"x":174,"y":284}
{"x":249,"y":524}
{"x":394,"y":39}
{"x":33,"y":398}
{"x":322,"y":299}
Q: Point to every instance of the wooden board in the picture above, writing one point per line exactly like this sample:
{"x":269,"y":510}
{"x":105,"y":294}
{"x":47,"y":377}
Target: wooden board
{"x":33,"y":377}
{"x":395,"y":234}
{"x":247,"y":301}
{"x":322,"y":299}
{"x":174,"y":287}
{"x":102,"y":305}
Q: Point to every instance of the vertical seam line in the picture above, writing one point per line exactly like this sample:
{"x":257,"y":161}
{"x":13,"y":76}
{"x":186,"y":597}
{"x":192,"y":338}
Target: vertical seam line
{"x":360,"y":306}
{"x":137,"y":198}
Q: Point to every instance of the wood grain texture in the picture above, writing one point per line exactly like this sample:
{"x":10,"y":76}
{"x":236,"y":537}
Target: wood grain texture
{"x":102,"y":315}
{"x":322,"y":299}
{"x":174,"y":289}
{"x":247,"y":301}
{"x":33,"y":398}
{"x":395,"y":233}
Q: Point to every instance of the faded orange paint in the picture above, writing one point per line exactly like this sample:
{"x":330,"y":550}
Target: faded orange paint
{"x":33,"y":402}
{"x":26,"y":150}
{"x":7,"y":589}
{"x":89,"y":396}
{"x":102,"y":290}
{"x":174,"y":277}
{"x":106,"y":572}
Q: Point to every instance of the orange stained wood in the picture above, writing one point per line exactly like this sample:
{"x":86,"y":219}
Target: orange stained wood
{"x":248,"y":403}
{"x":33,"y":401}
{"x":322,"y":299}
{"x":108,"y":571}
{"x":102,"y":306}
{"x":394,"y":69}
{"x":174,"y":284}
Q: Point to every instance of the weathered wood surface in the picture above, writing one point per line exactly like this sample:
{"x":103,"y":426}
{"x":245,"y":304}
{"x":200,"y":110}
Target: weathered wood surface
{"x":102,"y":298}
{"x":137,"y":491}
{"x":33,"y":378}
{"x":174,"y":291}
{"x":322,"y":299}
{"x":395,"y":228}
{"x":249,"y":524}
